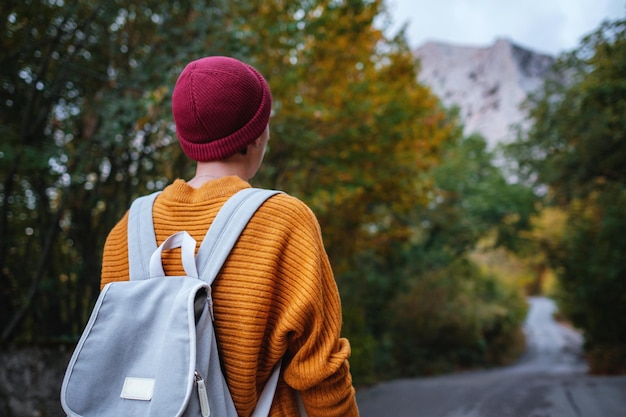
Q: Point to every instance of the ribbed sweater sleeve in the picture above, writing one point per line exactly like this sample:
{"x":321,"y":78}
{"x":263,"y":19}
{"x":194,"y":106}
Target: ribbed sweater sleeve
{"x":274,"y":299}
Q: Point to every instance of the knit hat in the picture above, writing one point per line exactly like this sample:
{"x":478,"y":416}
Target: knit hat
{"x":220,"y":105}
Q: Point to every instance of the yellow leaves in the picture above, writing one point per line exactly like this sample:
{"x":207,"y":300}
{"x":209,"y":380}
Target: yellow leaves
{"x":548,"y":226}
{"x":353,"y":131}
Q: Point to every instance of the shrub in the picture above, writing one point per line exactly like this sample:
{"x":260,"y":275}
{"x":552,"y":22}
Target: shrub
{"x":592,"y":277}
{"x":455,"y":318}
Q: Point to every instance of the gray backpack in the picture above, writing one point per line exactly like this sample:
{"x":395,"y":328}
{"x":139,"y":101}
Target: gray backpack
{"x":149,"y":347}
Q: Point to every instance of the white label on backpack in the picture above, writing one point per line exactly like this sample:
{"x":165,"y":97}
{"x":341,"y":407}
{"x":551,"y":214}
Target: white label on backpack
{"x":138,"y":388}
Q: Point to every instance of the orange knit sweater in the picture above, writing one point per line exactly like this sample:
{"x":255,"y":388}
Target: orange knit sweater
{"x":274,"y":298}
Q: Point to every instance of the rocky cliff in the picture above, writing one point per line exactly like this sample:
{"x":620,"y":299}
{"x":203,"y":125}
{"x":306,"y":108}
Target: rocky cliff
{"x":486,"y":84}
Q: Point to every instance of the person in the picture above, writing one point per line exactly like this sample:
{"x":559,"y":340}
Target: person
{"x":275,"y":297}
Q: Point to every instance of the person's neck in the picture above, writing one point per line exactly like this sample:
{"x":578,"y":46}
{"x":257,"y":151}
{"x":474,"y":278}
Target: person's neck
{"x":208,"y":171}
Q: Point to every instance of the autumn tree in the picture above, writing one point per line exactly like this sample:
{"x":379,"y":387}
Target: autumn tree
{"x":353,"y":135}
{"x":352,"y":129}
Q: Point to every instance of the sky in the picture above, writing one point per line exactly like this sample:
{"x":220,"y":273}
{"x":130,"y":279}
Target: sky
{"x":546,"y":26}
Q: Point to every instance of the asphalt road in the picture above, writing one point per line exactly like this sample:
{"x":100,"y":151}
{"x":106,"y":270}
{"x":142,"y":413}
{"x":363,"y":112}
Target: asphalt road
{"x":549,"y":381}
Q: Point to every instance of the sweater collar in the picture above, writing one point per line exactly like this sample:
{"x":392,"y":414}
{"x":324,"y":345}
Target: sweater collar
{"x":180,"y":191}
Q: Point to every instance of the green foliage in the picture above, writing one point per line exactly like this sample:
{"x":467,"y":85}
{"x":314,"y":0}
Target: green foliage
{"x":440,"y":313}
{"x":593,"y":275}
{"x":471,"y":200}
{"x":578,"y":136}
{"x":85,"y":123}
{"x":423,"y":287}
{"x":455,"y":318}
{"x":577,"y":148}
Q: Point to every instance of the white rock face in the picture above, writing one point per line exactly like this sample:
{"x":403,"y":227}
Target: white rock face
{"x":486,"y":84}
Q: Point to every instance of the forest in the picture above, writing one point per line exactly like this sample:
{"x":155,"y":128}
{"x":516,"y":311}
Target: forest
{"x":434,"y":245}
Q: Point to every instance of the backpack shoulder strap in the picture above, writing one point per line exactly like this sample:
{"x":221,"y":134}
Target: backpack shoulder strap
{"x":219,"y":240}
{"x":226,"y":228}
{"x":141,"y":238}
{"x":217,"y":244}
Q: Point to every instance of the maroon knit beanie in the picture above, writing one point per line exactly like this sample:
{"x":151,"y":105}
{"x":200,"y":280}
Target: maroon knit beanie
{"x":220,"y":105}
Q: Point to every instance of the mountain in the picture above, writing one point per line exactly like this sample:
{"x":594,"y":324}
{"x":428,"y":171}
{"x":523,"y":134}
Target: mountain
{"x":487,"y":84}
